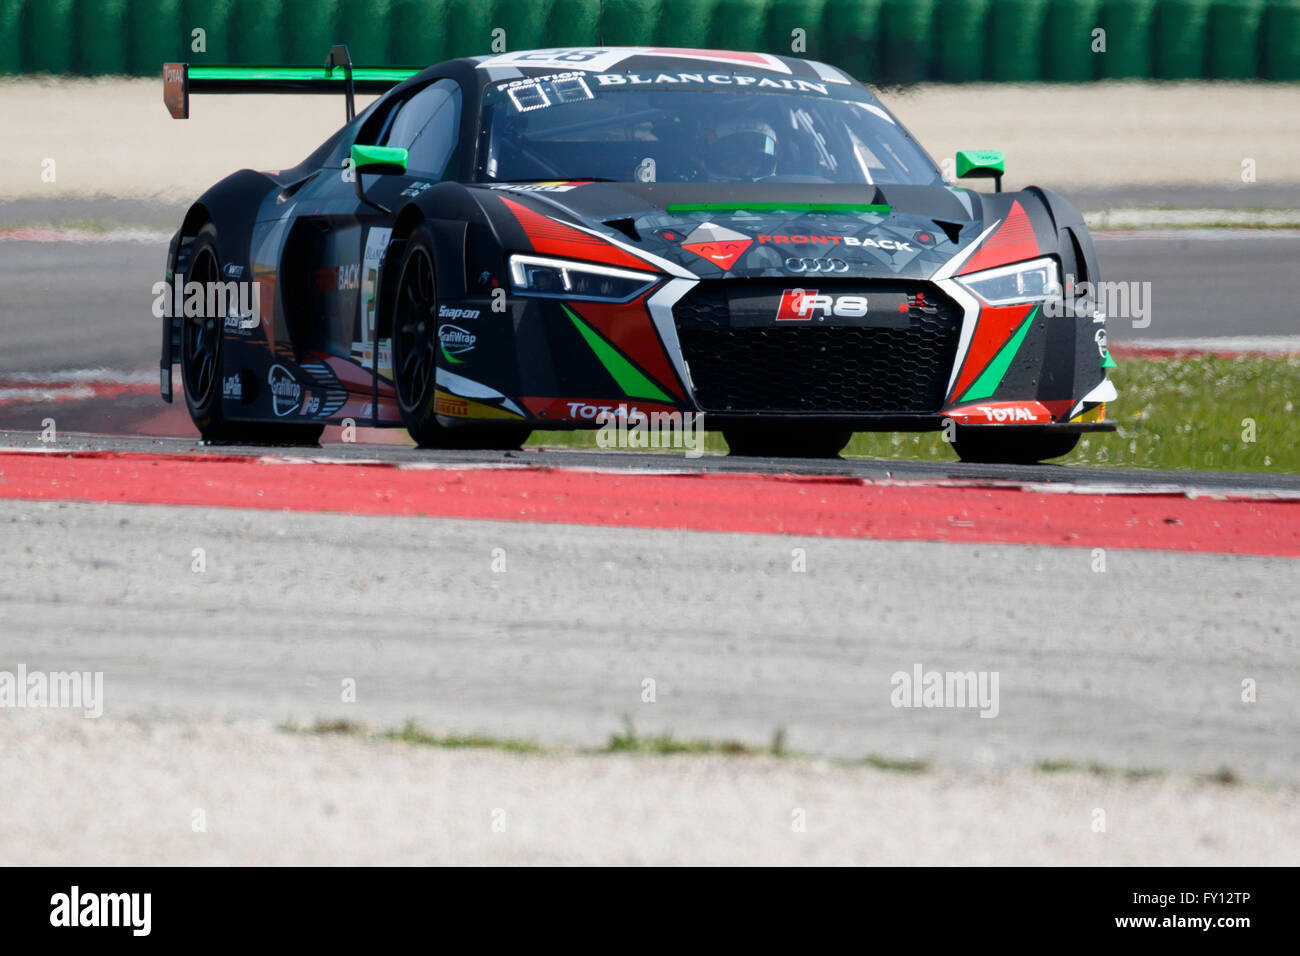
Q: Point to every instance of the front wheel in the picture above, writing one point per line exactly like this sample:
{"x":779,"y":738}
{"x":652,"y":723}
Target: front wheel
{"x":415,"y":359}
{"x":1011,"y":447}
{"x":201,"y":346}
{"x":783,"y":440}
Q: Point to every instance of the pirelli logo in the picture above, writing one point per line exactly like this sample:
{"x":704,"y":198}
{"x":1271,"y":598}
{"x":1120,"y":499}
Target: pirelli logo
{"x":445,"y":405}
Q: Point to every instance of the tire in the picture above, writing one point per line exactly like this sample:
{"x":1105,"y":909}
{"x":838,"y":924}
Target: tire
{"x":995,"y":446}
{"x":781,"y":440}
{"x":415,"y":359}
{"x":202,"y":361}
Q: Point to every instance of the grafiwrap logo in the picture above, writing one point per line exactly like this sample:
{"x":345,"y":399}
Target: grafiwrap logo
{"x":455,"y":340}
{"x":286,"y":393}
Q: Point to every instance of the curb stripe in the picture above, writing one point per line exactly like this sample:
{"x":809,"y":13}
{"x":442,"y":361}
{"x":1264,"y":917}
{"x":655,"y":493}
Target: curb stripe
{"x":747,"y":503}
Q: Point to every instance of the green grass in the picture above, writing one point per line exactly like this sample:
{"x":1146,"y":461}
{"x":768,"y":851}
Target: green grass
{"x":629,"y":741}
{"x":1176,"y":414}
{"x":1100,"y":770}
{"x":1196,"y":413}
{"x":894,"y":766}
{"x":1223,"y":776}
{"x":626,"y":741}
{"x":413,"y":733}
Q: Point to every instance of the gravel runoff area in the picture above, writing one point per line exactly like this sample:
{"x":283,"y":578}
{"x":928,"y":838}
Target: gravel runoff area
{"x":113,"y":137}
{"x":111,"y":792}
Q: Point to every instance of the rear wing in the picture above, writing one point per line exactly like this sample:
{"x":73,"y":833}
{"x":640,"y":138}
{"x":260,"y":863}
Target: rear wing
{"x":337,"y":76}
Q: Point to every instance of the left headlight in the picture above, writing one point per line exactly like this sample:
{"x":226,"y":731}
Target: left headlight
{"x":563,"y":279}
{"x":1030,"y":281}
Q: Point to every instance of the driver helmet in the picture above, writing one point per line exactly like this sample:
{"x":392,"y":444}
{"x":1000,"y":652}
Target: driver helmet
{"x":741,"y":148}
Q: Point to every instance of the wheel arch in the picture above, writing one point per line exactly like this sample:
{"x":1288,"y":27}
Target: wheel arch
{"x":449,"y":252}
{"x":404,"y":226}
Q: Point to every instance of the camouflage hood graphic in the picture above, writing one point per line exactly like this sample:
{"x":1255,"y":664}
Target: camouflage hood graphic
{"x":754,"y":230}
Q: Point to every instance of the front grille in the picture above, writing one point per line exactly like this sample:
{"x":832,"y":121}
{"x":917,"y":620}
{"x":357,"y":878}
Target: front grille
{"x":811,"y":368}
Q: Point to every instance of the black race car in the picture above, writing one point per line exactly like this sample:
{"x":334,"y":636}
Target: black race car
{"x":547,"y":239}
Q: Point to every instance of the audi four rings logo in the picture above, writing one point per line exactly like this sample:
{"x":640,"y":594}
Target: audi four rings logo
{"x":817,"y":265}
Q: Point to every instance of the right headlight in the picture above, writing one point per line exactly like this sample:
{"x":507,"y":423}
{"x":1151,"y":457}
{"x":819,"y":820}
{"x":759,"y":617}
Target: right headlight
{"x":1031,"y":281}
{"x":565,"y":279}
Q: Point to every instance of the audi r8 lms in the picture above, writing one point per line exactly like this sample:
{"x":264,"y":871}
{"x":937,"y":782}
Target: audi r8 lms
{"x":552,"y":238}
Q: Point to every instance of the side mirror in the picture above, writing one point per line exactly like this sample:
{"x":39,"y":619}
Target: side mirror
{"x":980,"y":164}
{"x":378,"y":159}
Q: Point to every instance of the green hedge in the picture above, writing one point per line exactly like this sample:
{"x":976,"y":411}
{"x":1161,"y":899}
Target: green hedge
{"x":959,"y":42}
{"x":1014,"y":36}
{"x":1178,"y":44}
{"x":881,"y":41}
{"x":1066,"y":55}
{"x":1233,"y":41}
{"x":11,"y":36}
{"x":1281,"y":32}
{"x":848,"y":36}
{"x":905,"y":43}
{"x":1128,"y":38}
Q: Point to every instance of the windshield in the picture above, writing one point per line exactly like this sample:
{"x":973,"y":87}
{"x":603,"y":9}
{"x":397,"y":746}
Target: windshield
{"x":692,"y":128}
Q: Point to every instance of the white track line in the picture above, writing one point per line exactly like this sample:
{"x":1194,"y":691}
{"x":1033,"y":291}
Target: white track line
{"x":77,"y":376}
{"x":70,"y":394}
{"x":1201,"y":235}
{"x":143,"y":236}
{"x":1225,"y":343}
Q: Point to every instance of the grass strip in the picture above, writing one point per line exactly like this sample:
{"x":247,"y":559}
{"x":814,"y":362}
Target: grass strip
{"x":1207,"y":413}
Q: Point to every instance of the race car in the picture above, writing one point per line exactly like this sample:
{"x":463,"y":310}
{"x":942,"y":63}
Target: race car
{"x":550,"y":239}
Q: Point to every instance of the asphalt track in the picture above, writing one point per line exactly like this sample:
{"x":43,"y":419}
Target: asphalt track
{"x":87,"y":304}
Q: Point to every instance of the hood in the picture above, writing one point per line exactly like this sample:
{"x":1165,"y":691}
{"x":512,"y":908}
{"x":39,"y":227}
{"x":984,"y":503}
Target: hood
{"x":751,"y":230}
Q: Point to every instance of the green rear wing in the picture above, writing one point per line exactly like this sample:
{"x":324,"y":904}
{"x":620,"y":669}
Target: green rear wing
{"x":180,"y":80}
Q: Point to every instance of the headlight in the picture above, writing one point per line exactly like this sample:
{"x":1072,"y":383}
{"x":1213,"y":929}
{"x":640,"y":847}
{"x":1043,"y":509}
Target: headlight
{"x":562,"y":279}
{"x":1023,"y":282}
